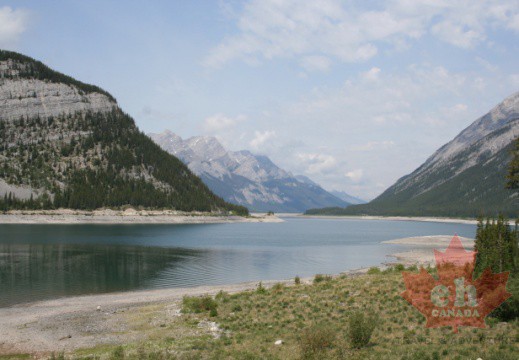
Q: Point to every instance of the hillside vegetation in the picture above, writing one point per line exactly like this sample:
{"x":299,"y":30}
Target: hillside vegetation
{"x":359,"y":317}
{"x":84,"y":159}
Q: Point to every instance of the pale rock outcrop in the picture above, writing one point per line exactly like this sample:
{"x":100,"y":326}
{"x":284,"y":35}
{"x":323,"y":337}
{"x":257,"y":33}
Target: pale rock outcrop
{"x":30,"y":98}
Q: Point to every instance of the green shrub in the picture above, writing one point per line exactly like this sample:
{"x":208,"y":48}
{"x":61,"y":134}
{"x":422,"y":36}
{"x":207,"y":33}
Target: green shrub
{"x":315,"y":340}
{"x":194,"y":304}
{"x":261,"y":289}
{"x":320,"y":278}
{"x":222,"y":296}
{"x":360,"y":329}
{"x":399,"y":267}
{"x":412,"y":268}
{"x":297,"y":280}
{"x":213,"y":312}
{"x":509,"y":310}
{"x":373,"y":270}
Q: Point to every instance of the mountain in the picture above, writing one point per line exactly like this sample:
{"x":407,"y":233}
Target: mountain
{"x":64,"y":143}
{"x":465,"y":177}
{"x":348,"y":198}
{"x":244,"y":178}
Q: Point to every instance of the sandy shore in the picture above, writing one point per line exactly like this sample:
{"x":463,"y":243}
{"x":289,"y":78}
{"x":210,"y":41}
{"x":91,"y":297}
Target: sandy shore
{"x":420,"y":249}
{"x":73,"y":323}
{"x":390,"y":218}
{"x":129,"y":216}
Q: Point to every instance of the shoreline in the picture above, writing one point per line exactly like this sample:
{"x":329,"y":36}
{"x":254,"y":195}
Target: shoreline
{"x":72,"y":323}
{"x":419,"y":250}
{"x":389,"y":218}
{"x":128,"y":216}
{"x":142,"y":217}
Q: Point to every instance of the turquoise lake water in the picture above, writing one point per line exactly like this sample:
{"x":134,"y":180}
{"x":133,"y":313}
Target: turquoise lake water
{"x":49,"y":261}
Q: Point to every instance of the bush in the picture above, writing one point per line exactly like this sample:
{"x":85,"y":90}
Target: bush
{"x":222,"y":296}
{"x":373,"y":270}
{"x":297,"y":280}
{"x":399,"y":267}
{"x":261,"y":289}
{"x":316,"y":339}
{"x":360,"y":329}
{"x":320,"y":278}
{"x":194,"y":304}
{"x":509,"y":310}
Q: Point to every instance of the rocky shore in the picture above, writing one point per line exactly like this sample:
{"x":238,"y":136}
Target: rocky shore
{"x":128,"y":216}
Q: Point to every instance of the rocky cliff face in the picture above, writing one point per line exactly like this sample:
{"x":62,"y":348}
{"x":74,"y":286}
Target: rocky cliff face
{"x":244,"y":178}
{"x":64,"y":143}
{"x":23,"y":94}
{"x":29,"y":98}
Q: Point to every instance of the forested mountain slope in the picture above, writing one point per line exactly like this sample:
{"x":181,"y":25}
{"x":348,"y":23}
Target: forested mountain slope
{"x":465,"y":177}
{"x":64,"y":143}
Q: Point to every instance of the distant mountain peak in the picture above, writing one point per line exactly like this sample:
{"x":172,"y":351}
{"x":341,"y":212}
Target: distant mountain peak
{"x":245,"y":178}
{"x":64,"y":143}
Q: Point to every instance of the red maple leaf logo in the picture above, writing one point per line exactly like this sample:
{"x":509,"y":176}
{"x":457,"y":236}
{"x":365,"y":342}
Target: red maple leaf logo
{"x":455,"y":298}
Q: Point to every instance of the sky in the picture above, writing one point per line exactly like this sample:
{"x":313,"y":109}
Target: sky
{"x":353,"y":94}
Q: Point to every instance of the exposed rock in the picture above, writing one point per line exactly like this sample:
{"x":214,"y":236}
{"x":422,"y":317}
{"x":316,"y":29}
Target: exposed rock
{"x":503,"y":116}
{"x":244,"y":178}
{"x":29,"y":98}
{"x":465,"y":177}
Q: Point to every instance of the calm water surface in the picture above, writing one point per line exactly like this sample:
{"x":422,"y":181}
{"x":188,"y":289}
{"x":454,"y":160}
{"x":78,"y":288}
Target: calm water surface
{"x":48,"y":261}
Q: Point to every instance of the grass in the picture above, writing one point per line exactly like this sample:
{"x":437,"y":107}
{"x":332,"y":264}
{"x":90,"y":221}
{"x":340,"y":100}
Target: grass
{"x":199,"y":304}
{"x":333,"y":318}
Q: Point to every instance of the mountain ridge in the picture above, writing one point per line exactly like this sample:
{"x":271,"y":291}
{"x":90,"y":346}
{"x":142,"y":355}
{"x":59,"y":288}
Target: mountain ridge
{"x":64,"y":143}
{"x":245,"y":178}
{"x":464,"y":177}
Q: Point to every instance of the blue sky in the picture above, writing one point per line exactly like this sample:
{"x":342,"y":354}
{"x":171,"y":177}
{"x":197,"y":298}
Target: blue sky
{"x":352,"y":94}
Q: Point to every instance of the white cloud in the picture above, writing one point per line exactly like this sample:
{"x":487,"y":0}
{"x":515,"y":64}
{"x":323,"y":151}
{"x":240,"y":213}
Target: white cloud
{"x":315,"y":163}
{"x":487,"y":65}
{"x":219,"y":122}
{"x":374,"y":145}
{"x":371,"y":74}
{"x":355,"y":175}
{"x":312,"y":31}
{"x":386,"y":127}
{"x":320,"y":63}
{"x":13,"y":22}
{"x":458,"y":34}
{"x":261,"y":137}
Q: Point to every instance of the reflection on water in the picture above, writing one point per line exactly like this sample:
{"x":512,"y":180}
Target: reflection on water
{"x":54,"y":270}
{"x":49,"y":261}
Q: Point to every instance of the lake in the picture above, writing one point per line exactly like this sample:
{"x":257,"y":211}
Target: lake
{"x":49,"y":261}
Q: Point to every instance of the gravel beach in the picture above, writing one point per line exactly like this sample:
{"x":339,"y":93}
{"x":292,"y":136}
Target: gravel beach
{"x":129,"y":216}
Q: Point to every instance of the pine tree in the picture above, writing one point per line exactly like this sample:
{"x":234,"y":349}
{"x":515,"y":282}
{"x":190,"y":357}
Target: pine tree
{"x":513,"y":168}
